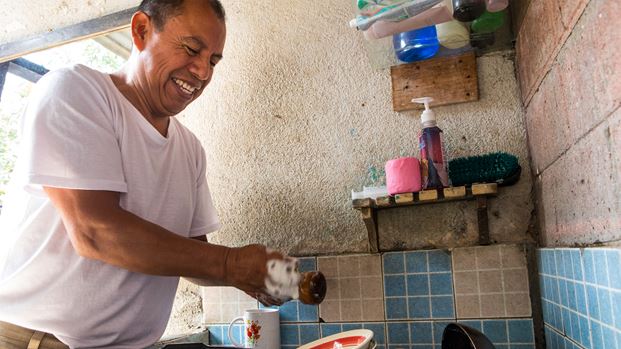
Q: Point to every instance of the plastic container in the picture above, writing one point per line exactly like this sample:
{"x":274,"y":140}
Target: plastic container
{"x":468,"y":10}
{"x":393,"y":13}
{"x":433,"y":162}
{"x":416,"y":45}
{"x":435,"y":15}
{"x":403,"y":175}
{"x":453,"y":34}
{"x":489,"y":22}
{"x":496,"y":5}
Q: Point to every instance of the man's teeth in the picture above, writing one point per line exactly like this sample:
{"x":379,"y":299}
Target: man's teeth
{"x":185,"y":87}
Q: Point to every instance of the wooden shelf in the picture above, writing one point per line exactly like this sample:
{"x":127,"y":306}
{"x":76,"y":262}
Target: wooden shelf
{"x":479,"y":192}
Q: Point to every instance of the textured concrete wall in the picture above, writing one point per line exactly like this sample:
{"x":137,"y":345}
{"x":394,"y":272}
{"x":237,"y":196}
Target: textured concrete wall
{"x":24,"y":19}
{"x":295,"y":119}
{"x":570,"y":71}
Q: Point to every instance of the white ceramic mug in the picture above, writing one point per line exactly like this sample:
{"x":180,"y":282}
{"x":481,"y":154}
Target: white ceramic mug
{"x":261,"y":329}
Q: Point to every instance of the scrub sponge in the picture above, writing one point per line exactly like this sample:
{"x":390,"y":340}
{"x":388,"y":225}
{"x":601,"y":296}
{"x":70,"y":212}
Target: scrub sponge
{"x":501,"y":168}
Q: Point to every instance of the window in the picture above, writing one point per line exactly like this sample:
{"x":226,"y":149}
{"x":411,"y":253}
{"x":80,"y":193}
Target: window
{"x":17,"y":77}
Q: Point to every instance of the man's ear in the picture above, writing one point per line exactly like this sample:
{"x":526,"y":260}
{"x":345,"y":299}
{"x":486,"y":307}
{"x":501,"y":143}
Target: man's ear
{"x":141,"y":26}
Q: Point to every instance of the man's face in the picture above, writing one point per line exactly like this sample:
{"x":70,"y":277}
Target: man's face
{"x":178,"y":61}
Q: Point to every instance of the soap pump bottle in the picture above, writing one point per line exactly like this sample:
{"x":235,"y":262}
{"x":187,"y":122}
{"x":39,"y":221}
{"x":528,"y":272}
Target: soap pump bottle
{"x":434,"y":166}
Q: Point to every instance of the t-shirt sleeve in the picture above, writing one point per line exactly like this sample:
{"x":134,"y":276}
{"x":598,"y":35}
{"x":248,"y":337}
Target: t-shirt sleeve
{"x":205,"y":218}
{"x":68,"y":136}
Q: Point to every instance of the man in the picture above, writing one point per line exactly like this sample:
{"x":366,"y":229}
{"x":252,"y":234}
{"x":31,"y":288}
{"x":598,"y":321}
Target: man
{"x":109,"y":203}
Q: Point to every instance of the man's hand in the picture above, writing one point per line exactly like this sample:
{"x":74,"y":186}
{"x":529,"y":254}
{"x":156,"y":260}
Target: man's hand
{"x":246,"y":269}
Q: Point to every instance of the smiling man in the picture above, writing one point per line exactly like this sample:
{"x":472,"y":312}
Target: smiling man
{"x":109,"y":203}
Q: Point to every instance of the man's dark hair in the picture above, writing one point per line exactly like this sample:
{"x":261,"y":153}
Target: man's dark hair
{"x":161,"y":10}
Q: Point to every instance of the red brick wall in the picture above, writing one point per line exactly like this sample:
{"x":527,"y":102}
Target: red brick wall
{"x":569,"y":69}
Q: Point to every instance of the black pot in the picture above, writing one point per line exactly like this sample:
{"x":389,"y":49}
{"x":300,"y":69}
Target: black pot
{"x":458,"y":336}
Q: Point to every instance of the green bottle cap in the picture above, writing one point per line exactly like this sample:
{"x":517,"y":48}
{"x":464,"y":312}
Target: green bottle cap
{"x":489,"y":22}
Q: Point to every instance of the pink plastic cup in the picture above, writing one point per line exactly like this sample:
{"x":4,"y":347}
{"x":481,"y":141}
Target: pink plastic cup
{"x":403,"y":175}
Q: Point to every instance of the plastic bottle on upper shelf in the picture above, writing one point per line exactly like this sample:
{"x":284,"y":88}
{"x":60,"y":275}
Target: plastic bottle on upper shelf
{"x":416,"y":45}
{"x":393,"y":13}
{"x":468,"y":10}
{"x":489,"y":22}
{"x":433,"y":162}
{"x":440,"y":13}
{"x":496,"y":5}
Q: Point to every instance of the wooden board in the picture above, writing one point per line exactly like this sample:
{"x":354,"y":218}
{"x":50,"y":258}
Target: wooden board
{"x":448,"y":80}
{"x":484,"y":189}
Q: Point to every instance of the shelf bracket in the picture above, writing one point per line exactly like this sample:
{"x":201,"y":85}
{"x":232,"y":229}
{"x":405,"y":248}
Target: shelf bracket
{"x":482,"y":220}
{"x":369,"y":216}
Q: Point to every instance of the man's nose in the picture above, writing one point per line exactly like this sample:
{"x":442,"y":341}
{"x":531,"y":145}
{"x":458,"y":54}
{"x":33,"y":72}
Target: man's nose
{"x":201,"y":69}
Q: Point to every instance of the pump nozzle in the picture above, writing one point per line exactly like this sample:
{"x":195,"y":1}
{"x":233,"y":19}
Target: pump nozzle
{"x":428,"y":117}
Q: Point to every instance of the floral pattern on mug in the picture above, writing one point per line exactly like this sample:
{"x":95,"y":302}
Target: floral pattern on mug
{"x":253,"y":331}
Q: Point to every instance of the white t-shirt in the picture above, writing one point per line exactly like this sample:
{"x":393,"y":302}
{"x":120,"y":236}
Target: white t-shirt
{"x":80,"y":132}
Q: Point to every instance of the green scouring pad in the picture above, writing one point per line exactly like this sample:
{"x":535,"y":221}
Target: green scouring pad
{"x":501,"y":168}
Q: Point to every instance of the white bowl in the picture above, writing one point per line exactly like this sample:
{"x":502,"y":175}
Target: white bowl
{"x":354,"y":339}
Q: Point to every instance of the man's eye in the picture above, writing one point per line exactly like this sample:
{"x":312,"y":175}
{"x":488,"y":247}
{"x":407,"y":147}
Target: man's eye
{"x":191,"y":51}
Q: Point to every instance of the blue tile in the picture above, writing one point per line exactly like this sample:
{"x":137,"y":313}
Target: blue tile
{"x":589,"y":268}
{"x":566,"y":320}
{"x":394,"y":285}
{"x":605,"y":306}
{"x":476,"y":324}
{"x":218,"y":334}
{"x":441,"y":284}
{"x":601,"y":272}
{"x":495,"y":330}
{"x":289,"y":334}
{"x":396,"y":308}
{"x":398,"y":333}
{"x":575,"y":327}
{"x":576,"y":261}
{"x":592,"y":302}
{"x":421,"y":333}
{"x":542,"y":286}
{"x":393,"y":263}
{"x":418,"y":285}
{"x":616,"y":308}
{"x":609,"y":338}
{"x":308,"y":313}
{"x":569,"y":270}
{"x":546,"y":309}
{"x":307,"y":264}
{"x":439,"y":260}
{"x":562,"y":292}
{"x":215,"y":334}
{"x":442,"y":307}
{"x":379,"y":331}
{"x":558,"y":318}
{"x":309,"y":333}
{"x":352,"y":326}
{"x":560,"y":266}
{"x":521,"y":331}
{"x":554,"y":293}
{"x":416,"y":262}
{"x":581,"y":303}
{"x":438,"y":331}
{"x":418,"y":308}
{"x":330,"y":329}
{"x":288,"y":312}
{"x":571,"y":295}
{"x":596,"y":335}
{"x":548,"y":260}
{"x":614,"y":268}
{"x":585,"y":332}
